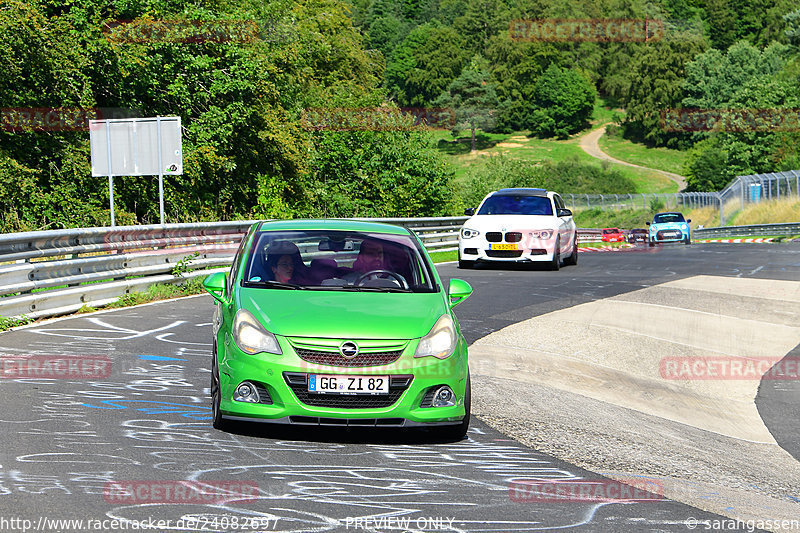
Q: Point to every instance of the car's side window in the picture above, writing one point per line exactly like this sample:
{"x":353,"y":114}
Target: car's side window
{"x":236,"y":262}
{"x":559,"y":202}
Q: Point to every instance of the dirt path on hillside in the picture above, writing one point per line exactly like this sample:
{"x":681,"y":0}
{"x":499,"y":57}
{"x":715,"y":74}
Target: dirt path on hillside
{"x":589,"y":144}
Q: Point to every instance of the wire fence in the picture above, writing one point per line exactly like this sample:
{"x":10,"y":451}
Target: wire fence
{"x":742,"y":191}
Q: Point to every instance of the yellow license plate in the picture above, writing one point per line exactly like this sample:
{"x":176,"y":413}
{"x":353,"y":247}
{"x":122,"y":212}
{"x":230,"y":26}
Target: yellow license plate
{"x":503,"y":246}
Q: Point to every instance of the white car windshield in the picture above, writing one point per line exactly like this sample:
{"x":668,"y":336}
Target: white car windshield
{"x":516,"y":205}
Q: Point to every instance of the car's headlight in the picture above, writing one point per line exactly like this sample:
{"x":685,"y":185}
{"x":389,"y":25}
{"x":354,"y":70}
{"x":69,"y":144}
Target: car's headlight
{"x":440,"y":342}
{"x":251,"y":337}
{"x":469,"y":233}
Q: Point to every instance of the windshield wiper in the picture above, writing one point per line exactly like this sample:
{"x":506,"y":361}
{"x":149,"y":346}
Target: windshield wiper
{"x":273,"y":285}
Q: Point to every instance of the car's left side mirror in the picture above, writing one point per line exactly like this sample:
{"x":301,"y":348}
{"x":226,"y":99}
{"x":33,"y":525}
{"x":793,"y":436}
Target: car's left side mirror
{"x":688,"y":220}
{"x":564,"y":213}
{"x":458,"y":292}
{"x":215,"y":285}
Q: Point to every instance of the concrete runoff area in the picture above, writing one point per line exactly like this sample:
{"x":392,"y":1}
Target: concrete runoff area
{"x":590,"y":384}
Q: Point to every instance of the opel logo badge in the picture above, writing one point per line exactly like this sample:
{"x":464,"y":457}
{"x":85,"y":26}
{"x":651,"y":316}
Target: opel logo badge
{"x":348,"y":349}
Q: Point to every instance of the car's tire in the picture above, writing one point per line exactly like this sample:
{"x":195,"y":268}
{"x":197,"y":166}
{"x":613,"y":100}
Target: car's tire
{"x":458,"y":432}
{"x":573,"y":258}
{"x":465,"y":264}
{"x":687,"y":240}
{"x":556,"y":263}
{"x":216,"y":396}
{"x":650,"y":243}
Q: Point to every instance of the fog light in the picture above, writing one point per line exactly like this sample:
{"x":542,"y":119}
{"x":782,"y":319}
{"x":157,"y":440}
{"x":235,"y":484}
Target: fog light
{"x":246,"y":392}
{"x":444,"y":397}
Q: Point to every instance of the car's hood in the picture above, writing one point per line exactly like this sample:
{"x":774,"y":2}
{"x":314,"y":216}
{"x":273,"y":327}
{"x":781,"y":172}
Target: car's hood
{"x":352,"y":315}
{"x":511,"y":222}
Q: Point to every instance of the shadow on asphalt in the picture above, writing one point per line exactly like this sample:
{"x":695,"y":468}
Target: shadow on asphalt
{"x":335,"y":434}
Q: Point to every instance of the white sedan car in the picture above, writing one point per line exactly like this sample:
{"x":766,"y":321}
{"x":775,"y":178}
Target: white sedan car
{"x":519,"y":225}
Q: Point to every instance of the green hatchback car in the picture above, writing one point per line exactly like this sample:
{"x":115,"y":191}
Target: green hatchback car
{"x":338,"y":323}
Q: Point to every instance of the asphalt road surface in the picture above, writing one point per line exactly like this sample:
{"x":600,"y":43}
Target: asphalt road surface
{"x":116,"y":445}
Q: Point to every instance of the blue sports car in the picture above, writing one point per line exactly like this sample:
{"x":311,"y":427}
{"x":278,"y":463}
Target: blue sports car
{"x":669,"y":227}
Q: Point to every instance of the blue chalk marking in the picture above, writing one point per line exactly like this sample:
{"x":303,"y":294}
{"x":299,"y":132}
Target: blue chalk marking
{"x":159,"y":358}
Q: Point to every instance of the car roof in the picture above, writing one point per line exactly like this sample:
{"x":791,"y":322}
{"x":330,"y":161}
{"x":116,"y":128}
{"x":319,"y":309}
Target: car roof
{"x":669,"y":213}
{"x":519,"y":191}
{"x":331,"y":224}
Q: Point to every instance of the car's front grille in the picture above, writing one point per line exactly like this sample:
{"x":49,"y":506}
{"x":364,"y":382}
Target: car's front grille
{"x":504,"y":253}
{"x":349,"y":422}
{"x":336,"y":359}
{"x":298,"y":382}
{"x":494,"y":236}
{"x":513,"y":236}
{"x":669,"y":234}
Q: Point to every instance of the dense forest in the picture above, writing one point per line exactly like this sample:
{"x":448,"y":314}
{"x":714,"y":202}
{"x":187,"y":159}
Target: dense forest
{"x":244,"y":86}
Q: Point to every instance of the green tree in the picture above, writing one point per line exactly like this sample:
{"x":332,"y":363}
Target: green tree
{"x":656,"y":83}
{"x":564,"y":101}
{"x":424,"y":64}
{"x":473,"y":98}
{"x":706,"y":167}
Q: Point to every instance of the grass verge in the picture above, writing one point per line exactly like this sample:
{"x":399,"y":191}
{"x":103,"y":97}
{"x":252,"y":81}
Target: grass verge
{"x":664,"y":159}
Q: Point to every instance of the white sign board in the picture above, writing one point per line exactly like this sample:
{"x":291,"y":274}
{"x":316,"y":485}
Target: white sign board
{"x":132,"y":146}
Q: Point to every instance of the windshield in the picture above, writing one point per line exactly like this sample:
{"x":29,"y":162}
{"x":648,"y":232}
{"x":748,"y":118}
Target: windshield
{"x":516,"y":205}
{"x":337,"y":260}
{"x":664,"y":218}
{"x":612,"y":230}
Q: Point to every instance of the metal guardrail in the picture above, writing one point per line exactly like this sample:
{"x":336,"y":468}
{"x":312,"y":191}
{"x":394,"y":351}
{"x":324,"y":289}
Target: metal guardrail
{"x":49,"y":273}
{"x":55,"y":272}
{"x":754,"y":230}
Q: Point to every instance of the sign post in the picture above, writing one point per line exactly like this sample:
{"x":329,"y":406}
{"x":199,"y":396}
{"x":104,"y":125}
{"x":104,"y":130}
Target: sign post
{"x":136,"y":147}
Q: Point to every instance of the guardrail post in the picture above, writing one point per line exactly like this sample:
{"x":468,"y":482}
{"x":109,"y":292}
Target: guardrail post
{"x":603,"y":201}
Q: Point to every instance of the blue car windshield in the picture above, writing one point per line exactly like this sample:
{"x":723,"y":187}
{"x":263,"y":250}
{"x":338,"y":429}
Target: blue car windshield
{"x":516,"y":205}
{"x":337,"y":260}
{"x":666,"y":218}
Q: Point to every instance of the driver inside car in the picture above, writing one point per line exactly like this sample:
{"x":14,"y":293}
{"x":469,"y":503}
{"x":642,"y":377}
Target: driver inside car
{"x":372,"y":259}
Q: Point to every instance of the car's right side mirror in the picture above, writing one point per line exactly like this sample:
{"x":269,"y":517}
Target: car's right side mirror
{"x":688,"y":220}
{"x":564,"y":213}
{"x":458,"y":292}
{"x":647,"y":223}
{"x":469,"y":211}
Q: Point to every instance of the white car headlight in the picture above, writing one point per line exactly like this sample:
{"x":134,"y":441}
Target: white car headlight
{"x":440,"y":342}
{"x":251,"y":337}
{"x":469,"y":233}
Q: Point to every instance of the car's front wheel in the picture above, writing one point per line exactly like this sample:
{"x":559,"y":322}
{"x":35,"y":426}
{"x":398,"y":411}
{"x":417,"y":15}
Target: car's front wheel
{"x":573,"y":258}
{"x":556,"y":264}
{"x":465,"y":264}
{"x":216,"y":396}
{"x":687,"y":240}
